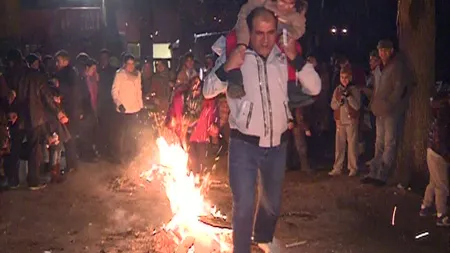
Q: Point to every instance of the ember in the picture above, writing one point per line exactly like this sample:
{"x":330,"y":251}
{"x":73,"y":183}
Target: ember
{"x":187,"y":202}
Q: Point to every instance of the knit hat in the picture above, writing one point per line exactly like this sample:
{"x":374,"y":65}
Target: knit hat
{"x":385,"y":44}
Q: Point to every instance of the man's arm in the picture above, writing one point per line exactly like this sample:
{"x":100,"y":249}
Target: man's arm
{"x":216,"y":82}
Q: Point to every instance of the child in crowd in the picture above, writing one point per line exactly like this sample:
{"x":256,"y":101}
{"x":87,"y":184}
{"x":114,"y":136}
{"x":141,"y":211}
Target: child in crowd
{"x":438,"y":160}
{"x":195,"y":120}
{"x":57,"y":135}
{"x":346,"y":104}
{"x":291,"y":16}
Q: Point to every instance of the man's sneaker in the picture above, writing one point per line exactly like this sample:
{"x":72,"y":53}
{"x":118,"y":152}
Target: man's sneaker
{"x":37,"y":188}
{"x":443,"y":221}
{"x":427,"y":211}
{"x":272,"y":247}
{"x":353,"y":173}
{"x":334,"y":173}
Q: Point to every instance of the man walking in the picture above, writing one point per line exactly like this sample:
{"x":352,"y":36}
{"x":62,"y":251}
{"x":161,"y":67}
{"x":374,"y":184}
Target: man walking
{"x":259,"y":123}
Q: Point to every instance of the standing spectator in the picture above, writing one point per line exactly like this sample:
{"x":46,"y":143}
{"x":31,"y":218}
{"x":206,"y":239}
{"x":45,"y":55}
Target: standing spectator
{"x":186,"y":70}
{"x":147,"y":73}
{"x":161,"y":86}
{"x":69,"y":84}
{"x":89,"y":101}
{"x":198,"y":123}
{"x":438,"y":160}
{"x":48,"y":63}
{"x":209,"y":64}
{"x":259,"y":123}
{"x":32,"y":102}
{"x":389,"y":103}
{"x":127,"y":95}
{"x":346,"y":104}
{"x":106,"y":108}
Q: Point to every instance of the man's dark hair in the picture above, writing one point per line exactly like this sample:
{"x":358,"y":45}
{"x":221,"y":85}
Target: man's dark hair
{"x":62,"y":54}
{"x":374,"y":53}
{"x":188,"y":55}
{"x":82,"y":58}
{"x":14,"y":56}
{"x":105,"y":51}
{"x":258,"y":12}
{"x":31,"y":58}
{"x":47,"y":59}
{"x":127,"y":57}
{"x":91,"y":62}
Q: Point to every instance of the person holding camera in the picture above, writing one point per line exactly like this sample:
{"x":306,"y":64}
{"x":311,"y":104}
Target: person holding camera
{"x":346,"y":104}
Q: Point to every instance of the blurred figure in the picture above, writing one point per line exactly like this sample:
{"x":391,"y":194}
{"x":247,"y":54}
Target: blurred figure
{"x":438,"y":160}
{"x":69,"y":86}
{"x":186,"y":70}
{"x":147,"y":73}
{"x":127,"y":95}
{"x":106,"y":108}
{"x":33,"y":62}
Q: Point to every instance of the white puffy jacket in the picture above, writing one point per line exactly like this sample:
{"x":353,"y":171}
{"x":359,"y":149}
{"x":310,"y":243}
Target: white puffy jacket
{"x":127,"y":91}
{"x":263,"y":112}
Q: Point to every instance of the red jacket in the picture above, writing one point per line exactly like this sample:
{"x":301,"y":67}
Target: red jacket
{"x":201,"y":131}
{"x":231,"y":44}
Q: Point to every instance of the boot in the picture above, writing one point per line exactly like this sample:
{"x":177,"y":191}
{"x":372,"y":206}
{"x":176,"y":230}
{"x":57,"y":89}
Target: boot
{"x":57,"y":176}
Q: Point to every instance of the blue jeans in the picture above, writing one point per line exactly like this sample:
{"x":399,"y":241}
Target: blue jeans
{"x":245,"y":161}
{"x":388,"y":130}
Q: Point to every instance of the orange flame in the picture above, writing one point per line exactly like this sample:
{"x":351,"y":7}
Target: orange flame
{"x":187,"y":201}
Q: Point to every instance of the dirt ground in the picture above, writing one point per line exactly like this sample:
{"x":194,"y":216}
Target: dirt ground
{"x":102,"y":208}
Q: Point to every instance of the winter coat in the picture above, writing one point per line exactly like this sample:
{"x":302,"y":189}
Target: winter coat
{"x":127,"y":91}
{"x":105,"y":101}
{"x":439,"y":131}
{"x":34,"y":99}
{"x":198,"y":127}
{"x":263,"y":113}
{"x":349,"y":112}
{"x":391,"y":96}
{"x":70,"y":85}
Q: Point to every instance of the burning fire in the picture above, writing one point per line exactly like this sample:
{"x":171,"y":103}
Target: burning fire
{"x":187,"y":203}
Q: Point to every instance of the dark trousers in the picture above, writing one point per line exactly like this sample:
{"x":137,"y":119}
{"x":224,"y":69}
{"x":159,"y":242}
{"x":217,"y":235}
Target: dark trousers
{"x":71,"y":155}
{"x":127,"y":142}
{"x":12,"y":160}
{"x":246,"y":161}
{"x":107,"y":120}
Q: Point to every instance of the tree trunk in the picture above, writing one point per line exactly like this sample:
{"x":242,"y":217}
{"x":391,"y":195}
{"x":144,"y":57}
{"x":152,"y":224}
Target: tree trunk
{"x":416,"y":33}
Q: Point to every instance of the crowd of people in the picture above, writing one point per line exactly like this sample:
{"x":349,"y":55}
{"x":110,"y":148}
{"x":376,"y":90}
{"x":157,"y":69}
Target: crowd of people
{"x":256,"y":101}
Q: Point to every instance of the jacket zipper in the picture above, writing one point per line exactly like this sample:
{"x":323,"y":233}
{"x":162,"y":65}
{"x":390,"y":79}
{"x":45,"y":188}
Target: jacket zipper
{"x":269,"y":104}
{"x":261,"y":91}
{"x":249,"y":116}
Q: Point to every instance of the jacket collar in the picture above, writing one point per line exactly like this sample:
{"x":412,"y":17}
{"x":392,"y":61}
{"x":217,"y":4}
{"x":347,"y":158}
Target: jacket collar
{"x":274,"y":56}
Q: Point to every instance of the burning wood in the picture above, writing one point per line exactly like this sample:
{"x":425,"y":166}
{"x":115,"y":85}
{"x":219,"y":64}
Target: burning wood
{"x":188,"y":228}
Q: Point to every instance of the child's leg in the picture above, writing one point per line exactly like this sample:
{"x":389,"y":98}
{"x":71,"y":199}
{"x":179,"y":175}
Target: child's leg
{"x":352,"y":139}
{"x":341,"y":145}
{"x":235,"y":87}
{"x":429,"y":195}
{"x":439,"y":176}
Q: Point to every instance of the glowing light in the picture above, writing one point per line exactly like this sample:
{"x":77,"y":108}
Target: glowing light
{"x":333,"y":30}
{"x":344,"y":31}
{"x":156,"y":33}
{"x":186,"y":196}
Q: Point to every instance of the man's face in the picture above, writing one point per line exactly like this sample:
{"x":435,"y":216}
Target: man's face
{"x":61,"y":62}
{"x":385,"y":54}
{"x":160,"y":67}
{"x":104,"y":60}
{"x":129,"y":66}
{"x":345,"y":79}
{"x":263,"y":36}
{"x":285,"y":6}
{"x":189,"y":63}
{"x":374,"y":62}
